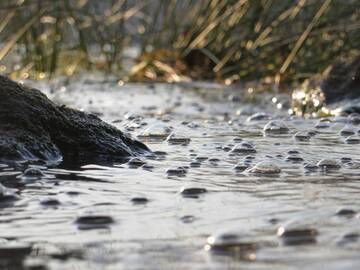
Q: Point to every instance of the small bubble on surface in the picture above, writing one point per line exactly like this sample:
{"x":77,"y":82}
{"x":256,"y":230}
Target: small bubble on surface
{"x":139,"y":200}
{"x":243,"y":148}
{"x":156,"y":131}
{"x":347,"y":131}
{"x":265,"y":168}
{"x":240,"y":167}
{"x":352,"y":140}
{"x":180,"y":171}
{"x":187,"y":219}
{"x":293,"y":235}
{"x":328,"y":164}
{"x":50,"y":202}
{"x":259,"y":117}
{"x":33,"y":172}
{"x":276,"y":127}
{"x":136,"y":163}
{"x":192,"y":192}
{"x":173,"y":139}
{"x":302,"y":136}
{"x":346,"y":212}
{"x":232,"y":243}
{"x":93,"y":221}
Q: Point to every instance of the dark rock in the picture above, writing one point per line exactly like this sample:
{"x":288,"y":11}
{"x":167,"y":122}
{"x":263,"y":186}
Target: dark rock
{"x":342,"y":81}
{"x":34,"y":128}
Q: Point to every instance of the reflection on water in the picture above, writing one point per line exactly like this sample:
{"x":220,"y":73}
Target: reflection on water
{"x":224,"y":188}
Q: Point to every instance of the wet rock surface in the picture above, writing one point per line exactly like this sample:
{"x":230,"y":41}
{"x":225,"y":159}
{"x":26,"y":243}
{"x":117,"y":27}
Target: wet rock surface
{"x":342,"y":82}
{"x":34,"y":128}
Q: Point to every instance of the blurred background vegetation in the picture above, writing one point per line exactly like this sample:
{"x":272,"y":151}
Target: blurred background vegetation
{"x":175,"y":40}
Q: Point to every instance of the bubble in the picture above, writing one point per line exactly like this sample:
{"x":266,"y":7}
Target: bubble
{"x":187,"y":219}
{"x":276,"y":127}
{"x":7,"y":194}
{"x":347,"y":131}
{"x":156,"y":131}
{"x":322,"y":125}
{"x":243,"y":148}
{"x":302,"y":136}
{"x":192,"y":192}
{"x":240,"y":167}
{"x":49,"y":202}
{"x":328,"y":164}
{"x":311,"y":167}
{"x":93,"y":221}
{"x":294,"y":158}
{"x":136,"y":163}
{"x":180,"y":171}
{"x":232,"y":243}
{"x":139,"y":200}
{"x":259,"y":117}
{"x":346,"y":212}
{"x":195,"y":164}
{"x":352,"y":140}
{"x":173,"y":139}
{"x":265,"y":168}
{"x":297,"y":235}
{"x":33,"y":172}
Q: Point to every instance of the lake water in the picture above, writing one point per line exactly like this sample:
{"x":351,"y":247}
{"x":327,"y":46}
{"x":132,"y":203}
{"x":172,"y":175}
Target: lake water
{"x":219,"y":193}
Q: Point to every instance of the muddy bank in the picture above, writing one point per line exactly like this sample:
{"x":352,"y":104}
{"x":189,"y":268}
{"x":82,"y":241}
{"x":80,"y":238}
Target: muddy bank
{"x":34,"y":128}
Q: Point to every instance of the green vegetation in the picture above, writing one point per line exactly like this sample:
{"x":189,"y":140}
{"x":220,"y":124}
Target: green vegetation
{"x":227,"y":40}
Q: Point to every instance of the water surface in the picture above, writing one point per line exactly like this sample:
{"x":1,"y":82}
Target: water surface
{"x":193,"y":204}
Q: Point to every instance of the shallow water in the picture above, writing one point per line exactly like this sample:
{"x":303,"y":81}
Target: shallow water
{"x":188,"y":207}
